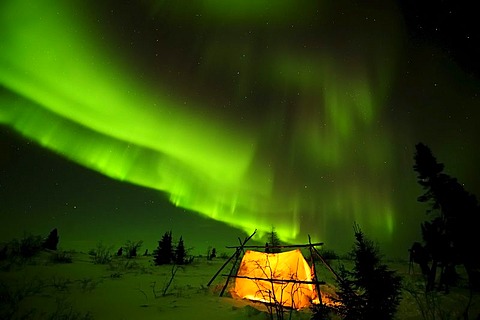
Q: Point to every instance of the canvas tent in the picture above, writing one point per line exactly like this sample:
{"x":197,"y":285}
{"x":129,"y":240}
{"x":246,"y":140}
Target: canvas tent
{"x":284,"y":278}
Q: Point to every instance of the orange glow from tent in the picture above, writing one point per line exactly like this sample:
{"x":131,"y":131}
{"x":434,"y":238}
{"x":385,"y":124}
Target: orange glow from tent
{"x":287,"y":277}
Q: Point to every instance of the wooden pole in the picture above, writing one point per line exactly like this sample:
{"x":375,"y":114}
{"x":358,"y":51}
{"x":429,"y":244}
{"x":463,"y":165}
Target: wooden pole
{"x":315,"y":278}
{"x":277,"y":280}
{"x":221,"y":268}
{"x":327,"y":264}
{"x":230,"y":274}
{"x":237,"y":253}
{"x":229,"y":259}
{"x":286,"y":246}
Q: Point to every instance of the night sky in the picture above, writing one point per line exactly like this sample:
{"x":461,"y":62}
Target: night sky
{"x":122,"y":120}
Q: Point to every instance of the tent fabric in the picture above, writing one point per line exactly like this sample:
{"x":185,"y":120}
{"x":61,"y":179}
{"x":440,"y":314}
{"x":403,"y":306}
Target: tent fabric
{"x":275,"y":268}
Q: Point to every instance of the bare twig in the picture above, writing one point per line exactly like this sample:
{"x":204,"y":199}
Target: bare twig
{"x":172,"y":276}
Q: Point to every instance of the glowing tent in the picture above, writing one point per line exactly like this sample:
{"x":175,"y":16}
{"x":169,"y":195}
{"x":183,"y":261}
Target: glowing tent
{"x":284,"y":278}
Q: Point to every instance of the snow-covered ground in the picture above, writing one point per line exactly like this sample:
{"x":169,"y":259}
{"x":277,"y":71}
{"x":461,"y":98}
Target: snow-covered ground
{"x":134,"y":289}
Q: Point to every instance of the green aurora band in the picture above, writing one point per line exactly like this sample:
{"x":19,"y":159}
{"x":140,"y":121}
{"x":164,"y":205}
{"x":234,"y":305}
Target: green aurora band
{"x":308,"y":153}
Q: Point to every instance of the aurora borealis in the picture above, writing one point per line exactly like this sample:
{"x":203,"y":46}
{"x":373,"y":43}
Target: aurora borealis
{"x":301,"y":115}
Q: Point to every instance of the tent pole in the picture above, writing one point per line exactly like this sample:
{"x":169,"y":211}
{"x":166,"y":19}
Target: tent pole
{"x":221,"y":268}
{"x":327,"y":264}
{"x":237,"y":254}
{"x":229,"y":259}
{"x":315,"y":278}
{"x":272,"y":280}
{"x":284,"y":246}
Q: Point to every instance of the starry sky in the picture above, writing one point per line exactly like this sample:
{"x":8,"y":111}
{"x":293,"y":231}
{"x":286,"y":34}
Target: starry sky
{"x":122,"y":120}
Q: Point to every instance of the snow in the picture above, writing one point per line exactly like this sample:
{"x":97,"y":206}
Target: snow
{"x":133,"y":289}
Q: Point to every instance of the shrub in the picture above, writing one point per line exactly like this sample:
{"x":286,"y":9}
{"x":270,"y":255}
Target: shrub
{"x":28,"y":247}
{"x":131,"y":248}
{"x":61,"y":257}
{"x":211,"y":253}
{"x":19,"y":251}
{"x":101,"y":254}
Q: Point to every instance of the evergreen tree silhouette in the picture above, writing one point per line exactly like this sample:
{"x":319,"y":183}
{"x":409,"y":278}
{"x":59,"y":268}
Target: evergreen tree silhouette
{"x":51,"y":242}
{"x":180,"y":253}
{"x":164,"y":252}
{"x":213,"y":254}
{"x":273,"y":243}
{"x":370,"y":290}
{"x":454,"y":219}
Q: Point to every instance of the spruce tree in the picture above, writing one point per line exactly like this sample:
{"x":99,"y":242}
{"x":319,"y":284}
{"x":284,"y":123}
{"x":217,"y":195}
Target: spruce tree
{"x":180,"y":253}
{"x":213,"y":254}
{"x":164,"y":252}
{"x":454,"y":217}
{"x":273,"y":242}
{"x":51,"y":242}
{"x":370,"y":290}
